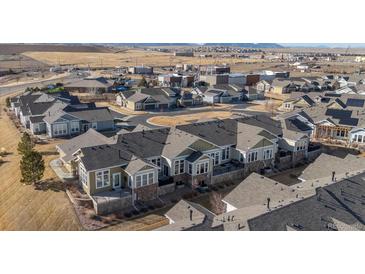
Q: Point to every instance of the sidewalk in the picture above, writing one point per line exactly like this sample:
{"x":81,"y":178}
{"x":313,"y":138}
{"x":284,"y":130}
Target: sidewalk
{"x":57,"y":167}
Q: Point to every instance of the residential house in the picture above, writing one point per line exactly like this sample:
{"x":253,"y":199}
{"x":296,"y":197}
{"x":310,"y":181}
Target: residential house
{"x":282,"y":86}
{"x":334,"y":118}
{"x":214,"y":79}
{"x":60,"y":115}
{"x":176,"y":80}
{"x":252,"y":93}
{"x":140,"y":70}
{"x":263,"y":86}
{"x":297,"y":102}
{"x":90,"y":85}
{"x":148,"y":99}
{"x":88,"y":139}
{"x":196,"y":155}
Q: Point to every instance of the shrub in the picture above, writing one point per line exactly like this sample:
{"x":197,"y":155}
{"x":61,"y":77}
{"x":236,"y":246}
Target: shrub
{"x":151,"y":207}
{"x":135,"y":212}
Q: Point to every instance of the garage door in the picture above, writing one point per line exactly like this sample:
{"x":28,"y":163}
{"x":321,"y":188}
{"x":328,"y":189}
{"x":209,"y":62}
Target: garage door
{"x":151,"y":106}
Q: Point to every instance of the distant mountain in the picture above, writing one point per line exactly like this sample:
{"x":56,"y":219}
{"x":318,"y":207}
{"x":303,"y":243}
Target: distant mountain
{"x":241,"y":45}
{"x":323,"y":45}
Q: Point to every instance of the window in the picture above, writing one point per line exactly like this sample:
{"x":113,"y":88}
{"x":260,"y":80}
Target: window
{"x":59,"y":129}
{"x":138,"y":180}
{"x":75,"y":127}
{"x":190,"y":169}
{"x":82,"y":175}
{"x":150,"y":178}
{"x":267,"y":154}
{"x":144,"y":179}
{"x":94,"y":125}
{"x":359,"y":138}
{"x":252,"y":157}
{"x":202,"y":168}
{"x":102,"y":179}
{"x":215,"y":157}
{"x":241,"y":157}
{"x":225,"y":153}
{"x":355,"y":138}
{"x":156,"y":161}
{"x":179,"y":166}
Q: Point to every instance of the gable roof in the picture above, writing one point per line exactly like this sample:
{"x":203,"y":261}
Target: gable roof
{"x":99,"y":82}
{"x":179,"y":215}
{"x":135,"y":164}
{"x":255,"y":189}
{"x":339,"y":206}
{"x":104,"y":156}
{"x":87,"y":139}
{"x":93,"y":114}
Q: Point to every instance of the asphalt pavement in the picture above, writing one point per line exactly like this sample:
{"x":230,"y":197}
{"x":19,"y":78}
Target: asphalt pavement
{"x":22,"y":87}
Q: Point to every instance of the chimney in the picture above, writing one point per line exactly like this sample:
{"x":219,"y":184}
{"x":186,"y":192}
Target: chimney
{"x":191,"y":215}
{"x":268,"y":203}
{"x":333,"y":176}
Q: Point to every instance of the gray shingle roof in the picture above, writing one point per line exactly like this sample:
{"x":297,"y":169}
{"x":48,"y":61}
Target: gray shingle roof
{"x":93,"y":115}
{"x":255,"y":190}
{"x":87,"y":139}
{"x":334,"y":207}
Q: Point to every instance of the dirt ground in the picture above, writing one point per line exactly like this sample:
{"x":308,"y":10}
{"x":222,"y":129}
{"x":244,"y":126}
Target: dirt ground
{"x":129,"y":57}
{"x":189,"y":118}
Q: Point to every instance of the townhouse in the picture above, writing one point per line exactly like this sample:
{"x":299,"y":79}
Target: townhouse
{"x":329,"y":197}
{"x":59,"y":115}
{"x":145,"y":164}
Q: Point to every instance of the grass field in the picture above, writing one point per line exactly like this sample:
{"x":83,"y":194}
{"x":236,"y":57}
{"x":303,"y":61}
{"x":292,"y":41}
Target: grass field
{"x":126,"y":58}
{"x":189,"y":118}
{"x":46,"y":205}
{"x":22,"y":207}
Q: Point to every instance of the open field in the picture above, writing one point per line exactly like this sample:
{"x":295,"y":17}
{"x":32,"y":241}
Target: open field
{"x":9,"y":49}
{"x":20,"y":62}
{"x":189,"y":118}
{"x":126,"y":58}
{"x":23,"y":207}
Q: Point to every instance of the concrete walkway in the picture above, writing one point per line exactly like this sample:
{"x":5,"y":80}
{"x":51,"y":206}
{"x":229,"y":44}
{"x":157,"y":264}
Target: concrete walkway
{"x":57,"y":167}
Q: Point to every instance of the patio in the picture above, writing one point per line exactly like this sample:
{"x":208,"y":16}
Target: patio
{"x":227,"y":167}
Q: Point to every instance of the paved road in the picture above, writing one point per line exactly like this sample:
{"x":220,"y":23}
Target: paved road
{"x":22,"y":87}
{"x":142,"y":119}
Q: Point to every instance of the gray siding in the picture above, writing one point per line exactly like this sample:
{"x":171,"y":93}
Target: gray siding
{"x":105,"y":125}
